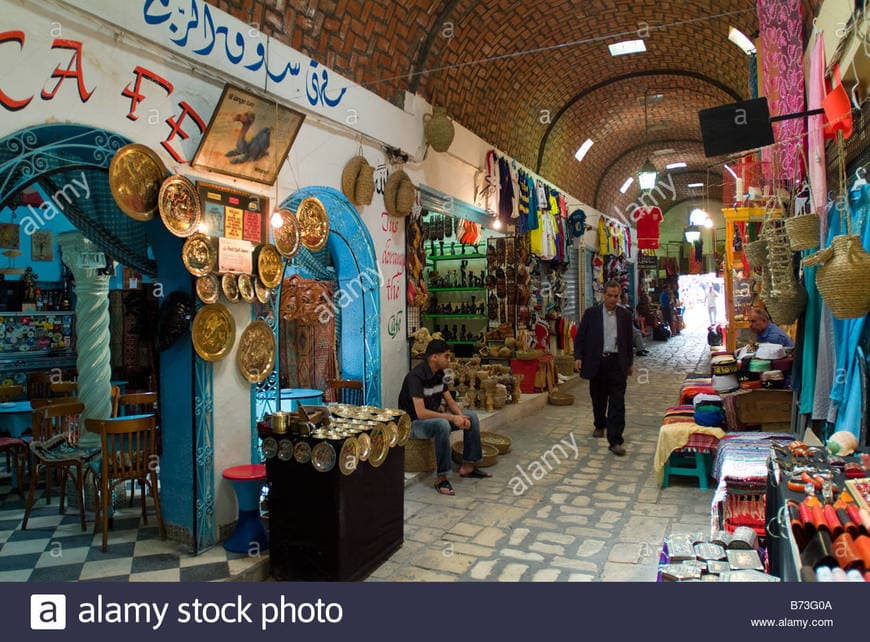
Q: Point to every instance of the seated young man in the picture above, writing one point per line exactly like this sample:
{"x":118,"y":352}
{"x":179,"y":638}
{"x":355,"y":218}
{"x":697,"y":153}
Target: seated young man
{"x":423,"y":391}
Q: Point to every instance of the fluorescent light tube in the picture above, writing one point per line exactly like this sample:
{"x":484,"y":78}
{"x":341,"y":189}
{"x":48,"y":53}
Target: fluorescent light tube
{"x":679,"y":165}
{"x":626,"y":184}
{"x":741,"y":40}
{"x":581,"y":152}
{"x":627,"y":47}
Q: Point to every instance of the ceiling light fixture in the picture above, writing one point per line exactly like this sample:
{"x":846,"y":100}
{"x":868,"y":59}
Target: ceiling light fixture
{"x":694,"y":185}
{"x":741,"y":40}
{"x":679,"y":165}
{"x":692,"y":233}
{"x":581,"y":152}
{"x":731,"y":171}
{"x":647,"y":174}
{"x":627,"y":47}
{"x":664,"y":152}
{"x":626,"y":184}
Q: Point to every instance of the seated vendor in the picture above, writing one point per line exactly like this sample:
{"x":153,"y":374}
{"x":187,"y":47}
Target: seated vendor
{"x":766,"y":331}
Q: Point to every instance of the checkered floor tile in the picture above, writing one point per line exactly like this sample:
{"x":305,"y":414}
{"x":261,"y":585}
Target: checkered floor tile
{"x":55,"y":549}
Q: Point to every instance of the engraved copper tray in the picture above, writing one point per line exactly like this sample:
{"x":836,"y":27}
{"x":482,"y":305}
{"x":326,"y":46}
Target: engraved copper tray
{"x":135,"y":176}
{"x":269,"y":265}
{"x":349,"y":456}
{"x":263,"y":293}
{"x":246,"y":288}
{"x":199,"y":255}
{"x":230,"y":286}
{"x":313,"y":224}
{"x":208,"y":288}
{"x":213,"y":332}
{"x":323,"y":457}
{"x":180,"y":207}
{"x":256,"y":353}
{"x":380,"y":447}
{"x":286,"y":235}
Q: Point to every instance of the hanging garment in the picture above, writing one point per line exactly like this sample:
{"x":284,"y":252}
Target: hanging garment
{"x":532,"y":220}
{"x":515,"y":189}
{"x":648,"y":220}
{"x":577,"y":223}
{"x":602,"y":237}
{"x":815,"y":135}
{"x":506,"y":191}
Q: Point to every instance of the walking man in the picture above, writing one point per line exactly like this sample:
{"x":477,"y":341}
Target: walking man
{"x":603,"y":354}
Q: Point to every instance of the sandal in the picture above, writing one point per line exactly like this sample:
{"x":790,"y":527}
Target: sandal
{"x":476,"y":473}
{"x":444,"y":487}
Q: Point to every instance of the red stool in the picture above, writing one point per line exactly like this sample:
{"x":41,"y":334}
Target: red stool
{"x":246,"y":481}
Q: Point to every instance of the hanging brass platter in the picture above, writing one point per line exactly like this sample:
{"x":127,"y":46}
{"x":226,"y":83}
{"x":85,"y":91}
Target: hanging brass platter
{"x":363,"y":446}
{"x":230,"y":286}
{"x":213,"y":332}
{"x":302,"y":452}
{"x":323,"y":457}
{"x":208,"y":288}
{"x":286,"y":235}
{"x":392,"y":432}
{"x":404,"y":425}
{"x":135,"y":176}
{"x":269,"y":265}
{"x":256,"y":353}
{"x":313,"y":223}
{"x":180,"y":207}
{"x":246,"y":288}
{"x":199,"y":255}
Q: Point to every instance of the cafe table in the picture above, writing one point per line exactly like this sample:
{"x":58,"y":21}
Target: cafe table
{"x":15,"y":417}
{"x":292,"y":397}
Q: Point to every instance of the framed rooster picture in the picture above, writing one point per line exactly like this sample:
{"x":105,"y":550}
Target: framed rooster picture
{"x":248,"y":136}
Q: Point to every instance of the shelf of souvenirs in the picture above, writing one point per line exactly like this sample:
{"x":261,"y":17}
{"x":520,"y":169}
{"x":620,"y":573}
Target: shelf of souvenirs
{"x":457,"y":289}
{"x":454,"y":257}
{"x":453,"y":316}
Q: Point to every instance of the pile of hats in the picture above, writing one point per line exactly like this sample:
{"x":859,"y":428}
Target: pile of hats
{"x":725,"y":368}
{"x":709,"y":410}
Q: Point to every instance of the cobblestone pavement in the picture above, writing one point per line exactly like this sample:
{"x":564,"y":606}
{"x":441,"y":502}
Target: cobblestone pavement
{"x":580,"y":513}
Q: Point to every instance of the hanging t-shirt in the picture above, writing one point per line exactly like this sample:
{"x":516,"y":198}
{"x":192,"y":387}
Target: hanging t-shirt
{"x":532,"y":219}
{"x":602,"y":236}
{"x":648,"y":220}
{"x":577,"y":223}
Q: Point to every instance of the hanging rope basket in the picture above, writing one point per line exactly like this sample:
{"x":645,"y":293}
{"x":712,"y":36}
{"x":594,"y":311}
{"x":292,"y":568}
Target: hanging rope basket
{"x":803,"y":232}
{"x":842,"y":276}
{"x":756,"y":253}
{"x":399,"y":194}
{"x":357,"y":181}
{"x":439,"y":129}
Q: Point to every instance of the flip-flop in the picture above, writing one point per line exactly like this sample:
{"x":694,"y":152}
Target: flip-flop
{"x":444,"y":487}
{"x":476,"y":473}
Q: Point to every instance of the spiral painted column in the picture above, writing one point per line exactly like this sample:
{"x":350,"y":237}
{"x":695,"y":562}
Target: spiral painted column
{"x":92,"y":331}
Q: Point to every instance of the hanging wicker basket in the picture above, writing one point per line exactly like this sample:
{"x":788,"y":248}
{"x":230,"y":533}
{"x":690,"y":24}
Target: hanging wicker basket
{"x":357,"y":181}
{"x":756,"y":253}
{"x":399,"y":194}
{"x":842,"y":276}
{"x":439,"y":129}
{"x":786,"y":307}
{"x":803,"y":232}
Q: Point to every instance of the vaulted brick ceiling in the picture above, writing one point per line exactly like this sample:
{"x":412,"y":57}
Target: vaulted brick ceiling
{"x":535,"y":78}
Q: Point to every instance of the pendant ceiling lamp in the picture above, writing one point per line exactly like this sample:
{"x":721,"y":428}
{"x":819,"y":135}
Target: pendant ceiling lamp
{"x":647,"y":174}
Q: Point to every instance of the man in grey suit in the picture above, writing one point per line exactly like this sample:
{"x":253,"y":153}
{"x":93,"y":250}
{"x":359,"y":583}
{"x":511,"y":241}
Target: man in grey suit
{"x":603,"y":354}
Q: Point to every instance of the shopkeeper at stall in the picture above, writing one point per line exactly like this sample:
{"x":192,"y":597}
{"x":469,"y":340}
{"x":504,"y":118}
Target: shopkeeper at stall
{"x":766,"y":331}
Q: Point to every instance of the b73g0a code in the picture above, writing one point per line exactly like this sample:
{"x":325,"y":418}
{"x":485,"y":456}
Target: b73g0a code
{"x":811,"y":605}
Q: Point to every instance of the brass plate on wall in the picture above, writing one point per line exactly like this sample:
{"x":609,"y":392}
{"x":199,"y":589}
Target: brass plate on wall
{"x":136,"y":174}
{"x":208,"y":288}
{"x":313,"y":223}
{"x":269,"y":265}
{"x":286,"y":235}
{"x":199,"y":255}
{"x":213,"y":332}
{"x":246,"y":288}
{"x":180,"y":207}
{"x":256,"y":353}
{"x":230,"y":286}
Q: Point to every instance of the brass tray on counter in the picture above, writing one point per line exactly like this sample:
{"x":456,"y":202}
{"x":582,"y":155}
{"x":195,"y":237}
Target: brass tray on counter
{"x":380,"y":447}
{"x":213,"y":332}
{"x":363,"y":446}
{"x":323,"y":457}
{"x":256,"y":353}
{"x":136,"y":174}
{"x":286,"y":235}
{"x":313,"y":224}
{"x":199,"y":255}
{"x":348,"y":457}
{"x":180,"y":207}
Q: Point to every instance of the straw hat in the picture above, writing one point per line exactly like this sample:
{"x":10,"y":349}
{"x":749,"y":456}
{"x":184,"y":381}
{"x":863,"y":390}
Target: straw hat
{"x":357,"y":181}
{"x":399,"y":194}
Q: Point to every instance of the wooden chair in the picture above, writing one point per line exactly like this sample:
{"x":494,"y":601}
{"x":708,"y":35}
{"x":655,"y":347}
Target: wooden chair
{"x":54,"y":449}
{"x":16,"y":456}
{"x":64,"y":389}
{"x":129,"y":452}
{"x":11,"y":393}
{"x":116,"y":395}
{"x":139,"y":403}
{"x":38,"y":385}
{"x":347,"y":391}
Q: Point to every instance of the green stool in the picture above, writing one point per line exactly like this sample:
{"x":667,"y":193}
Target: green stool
{"x":688,"y":465}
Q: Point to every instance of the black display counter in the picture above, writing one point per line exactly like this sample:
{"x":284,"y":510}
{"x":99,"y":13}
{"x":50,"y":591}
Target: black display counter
{"x":330,"y":526}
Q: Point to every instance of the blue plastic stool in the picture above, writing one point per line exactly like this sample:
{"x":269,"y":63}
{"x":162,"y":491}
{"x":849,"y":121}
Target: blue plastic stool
{"x":246,"y":481}
{"x":687,"y":464}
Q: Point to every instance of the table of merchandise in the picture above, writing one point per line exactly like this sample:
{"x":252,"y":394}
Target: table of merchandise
{"x":331,"y":526}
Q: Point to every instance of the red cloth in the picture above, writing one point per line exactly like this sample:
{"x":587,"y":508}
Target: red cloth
{"x":648,"y":220}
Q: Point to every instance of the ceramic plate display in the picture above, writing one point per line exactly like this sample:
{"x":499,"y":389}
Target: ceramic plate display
{"x":269,"y":265}
{"x":302,"y":452}
{"x":135,"y":176}
{"x":213,"y":332}
{"x":270,"y":447}
{"x":392,"y":432}
{"x":256,"y":353}
{"x":208,"y":288}
{"x":263,"y":293}
{"x":363,"y":446}
{"x":285,"y":450}
{"x":323,"y":457}
{"x":380,"y":449}
{"x":230,"y":287}
{"x":199,"y":255}
{"x":313,"y":224}
{"x":179,"y":205}
{"x":349,"y":456}
{"x":246,"y":288}
{"x":404,"y":425}
{"x":286,"y":235}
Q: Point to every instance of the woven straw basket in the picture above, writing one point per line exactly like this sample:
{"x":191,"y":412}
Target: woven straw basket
{"x":842,"y":276}
{"x":756,"y":252}
{"x":502,"y":443}
{"x":439,"y":129}
{"x":357,"y":181}
{"x":490,"y":454}
{"x":786,"y":307}
{"x":399,"y":194}
{"x":420,"y":456}
{"x":557,"y":398}
{"x":803,"y":232}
